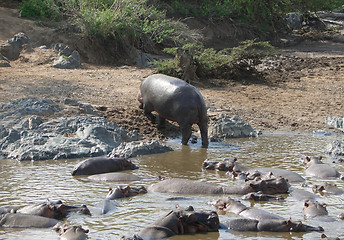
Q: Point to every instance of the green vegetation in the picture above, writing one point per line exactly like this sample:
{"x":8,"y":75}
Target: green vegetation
{"x":40,"y":9}
{"x":224,"y":63}
{"x":146,"y":21}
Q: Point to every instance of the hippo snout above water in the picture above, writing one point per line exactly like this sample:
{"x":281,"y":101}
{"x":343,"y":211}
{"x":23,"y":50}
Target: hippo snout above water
{"x":175,"y":100}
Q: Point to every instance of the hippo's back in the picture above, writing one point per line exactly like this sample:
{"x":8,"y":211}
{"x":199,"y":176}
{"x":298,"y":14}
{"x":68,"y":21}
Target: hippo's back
{"x":172,"y":98}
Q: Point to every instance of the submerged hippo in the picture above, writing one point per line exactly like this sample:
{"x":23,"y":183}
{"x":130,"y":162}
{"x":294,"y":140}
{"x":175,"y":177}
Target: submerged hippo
{"x":108,"y":204}
{"x":49,"y":209}
{"x":259,"y":196}
{"x":22,"y":220}
{"x":316,"y":168}
{"x":115,"y":177}
{"x":234,"y":167}
{"x":327,"y":188}
{"x":313,"y":209}
{"x":175,"y":100}
{"x":269,"y":225}
{"x":53,"y":209}
{"x":99,"y":165}
{"x":181,"y":222}
{"x":303,"y":195}
{"x":174,"y":185}
{"x":233,"y":206}
{"x":121,"y":192}
{"x":70,"y":232}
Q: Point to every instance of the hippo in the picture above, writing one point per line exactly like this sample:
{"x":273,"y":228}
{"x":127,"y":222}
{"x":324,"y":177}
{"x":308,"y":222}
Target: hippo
{"x":259,"y":196}
{"x":121,"y":192}
{"x":327,"y":188}
{"x":236,"y":207}
{"x":302,"y":195}
{"x":115,"y":177}
{"x":22,"y":220}
{"x":181,"y":221}
{"x":316,"y":168}
{"x":108,"y":204}
{"x":70,"y":232}
{"x":234,"y":168}
{"x":269,"y":225}
{"x":99,"y":165}
{"x":53,"y":209}
{"x":49,"y":209}
{"x":7,"y":210}
{"x":184,"y":186}
{"x":175,"y":100}
{"x":313,"y":209}
{"x":224,"y":165}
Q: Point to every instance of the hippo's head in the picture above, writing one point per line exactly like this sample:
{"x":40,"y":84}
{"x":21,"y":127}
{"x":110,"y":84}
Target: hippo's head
{"x":224,"y":165}
{"x":270,"y":186}
{"x":128,"y":165}
{"x":312,"y":160}
{"x":313,"y":209}
{"x":197,"y":222}
{"x":298,"y":226}
{"x":276,"y":225}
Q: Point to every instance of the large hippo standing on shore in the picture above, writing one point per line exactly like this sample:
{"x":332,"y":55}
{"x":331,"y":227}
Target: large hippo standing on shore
{"x":175,"y":100}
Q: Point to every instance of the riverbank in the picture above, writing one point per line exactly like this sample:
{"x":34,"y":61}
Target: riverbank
{"x":301,"y":86}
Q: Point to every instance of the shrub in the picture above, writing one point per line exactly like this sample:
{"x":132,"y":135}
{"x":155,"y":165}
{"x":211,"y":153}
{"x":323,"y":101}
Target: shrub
{"x":40,"y":9}
{"x":227,"y":63}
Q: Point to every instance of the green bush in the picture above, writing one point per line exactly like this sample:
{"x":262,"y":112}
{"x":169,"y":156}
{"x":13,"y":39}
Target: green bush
{"x":227,"y":63}
{"x":40,"y":9}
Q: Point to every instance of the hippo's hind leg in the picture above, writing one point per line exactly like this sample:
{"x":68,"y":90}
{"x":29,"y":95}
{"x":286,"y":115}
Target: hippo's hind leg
{"x":204,"y":134}
{"x":186,"y":133}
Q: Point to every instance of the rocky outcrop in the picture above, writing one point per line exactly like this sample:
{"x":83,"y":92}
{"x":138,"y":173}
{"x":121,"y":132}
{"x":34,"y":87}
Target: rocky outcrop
{"x":335,"y":122}
{"x":133,"y":149}
{"x":67,"y":59}
{"x":26,"y":134}
{"x":230,"y":127}
{"x":336,"y":148}
{"x":11,"y":48}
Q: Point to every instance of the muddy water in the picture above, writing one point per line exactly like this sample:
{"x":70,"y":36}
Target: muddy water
{"x":24,"y":183}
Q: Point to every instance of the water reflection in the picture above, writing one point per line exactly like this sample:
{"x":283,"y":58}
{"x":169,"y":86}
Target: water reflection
{"x":25,"y":183}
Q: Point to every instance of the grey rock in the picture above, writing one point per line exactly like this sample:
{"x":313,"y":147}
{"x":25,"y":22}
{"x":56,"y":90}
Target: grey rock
{"x":26,"y":134}
{"x":293,"y":20}
{"x":133,"y":149}
{"x":335,"y":148}
{"x":143,"y":60}
{"x":230,"y":127}
{"x":11,"y":48}
{"x":335,"y":122}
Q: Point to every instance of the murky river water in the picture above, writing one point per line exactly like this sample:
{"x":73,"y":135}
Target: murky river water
{"x":24,"y":183}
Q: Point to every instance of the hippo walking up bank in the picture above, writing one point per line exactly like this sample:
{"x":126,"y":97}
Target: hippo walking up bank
{"x":175,"y":100}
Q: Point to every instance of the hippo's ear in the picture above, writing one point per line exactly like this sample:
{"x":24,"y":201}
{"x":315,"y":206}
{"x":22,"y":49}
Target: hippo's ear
{"x":86,"y":231}
{"x":235,"y":159}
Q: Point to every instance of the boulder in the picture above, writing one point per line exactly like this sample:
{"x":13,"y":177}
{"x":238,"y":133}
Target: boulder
{"x":335,"y":122}
{"x":335,"y":148}
{"x":230,"y":127}
{"x":27,"y":134}
{"x":11,"y":48}
{"x":133,"y":149}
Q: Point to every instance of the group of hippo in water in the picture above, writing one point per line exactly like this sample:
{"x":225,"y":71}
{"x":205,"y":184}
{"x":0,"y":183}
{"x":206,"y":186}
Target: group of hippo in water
{"x":176,"y":100}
